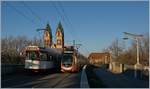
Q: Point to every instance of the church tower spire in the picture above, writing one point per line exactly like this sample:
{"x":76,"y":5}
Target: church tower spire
{"x":59,"y":36}
{"x":48,"y":36}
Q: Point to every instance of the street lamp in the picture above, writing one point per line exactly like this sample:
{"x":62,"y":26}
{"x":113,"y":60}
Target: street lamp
{"x":136,"y":38}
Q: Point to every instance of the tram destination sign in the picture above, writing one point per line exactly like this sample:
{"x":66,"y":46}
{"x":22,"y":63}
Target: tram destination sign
{"x":32,"y":48}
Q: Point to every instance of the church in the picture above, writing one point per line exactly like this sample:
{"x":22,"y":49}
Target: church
{"x":48,"y":40}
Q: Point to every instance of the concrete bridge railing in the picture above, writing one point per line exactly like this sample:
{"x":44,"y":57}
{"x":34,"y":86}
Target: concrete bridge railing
{"x":11,"y":68}
{"x":84,"y":81}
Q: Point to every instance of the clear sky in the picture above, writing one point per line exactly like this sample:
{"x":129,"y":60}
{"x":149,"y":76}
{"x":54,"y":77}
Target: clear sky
{"x":93,"y":24}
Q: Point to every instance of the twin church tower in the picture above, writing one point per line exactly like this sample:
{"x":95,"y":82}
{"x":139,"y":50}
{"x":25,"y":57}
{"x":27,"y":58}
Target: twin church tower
{"x":48,"y":38}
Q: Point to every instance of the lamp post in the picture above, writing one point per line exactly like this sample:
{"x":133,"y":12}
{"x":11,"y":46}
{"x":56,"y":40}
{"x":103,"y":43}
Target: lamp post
{"x":110,"y":62}
{"x":136,"y":38}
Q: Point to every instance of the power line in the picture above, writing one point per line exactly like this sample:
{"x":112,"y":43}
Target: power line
{"x":32,"y":12}
{"x":22,"y":14}
{"x":36,"y":16}
{"x":26,"y":17}
{"x":61,"y":16}
{"x":66,"y":16}
{"x":71,"y":24}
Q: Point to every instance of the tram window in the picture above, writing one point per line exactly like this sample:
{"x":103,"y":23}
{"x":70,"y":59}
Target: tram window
{"x":32,"y":55}
{"x":43,"y":56}
{"x":67,"y":58}
{"x":50,"y":58}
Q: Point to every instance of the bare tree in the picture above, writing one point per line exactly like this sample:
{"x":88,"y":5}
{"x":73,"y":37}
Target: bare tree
{"x":129,"y":56}
{"x":11,"y":47}
{"x":116,"y":49}
{"x":144,"y":50}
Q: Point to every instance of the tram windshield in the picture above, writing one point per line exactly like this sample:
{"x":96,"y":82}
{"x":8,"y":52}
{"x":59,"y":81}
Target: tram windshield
{"x":43,"y":56}
{"x":36,"y":55}
{"x":32,"y":55}
{"x":67,"y":59}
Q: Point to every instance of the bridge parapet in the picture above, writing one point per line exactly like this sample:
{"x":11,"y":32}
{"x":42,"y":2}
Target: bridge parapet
{"x":11,"y":68}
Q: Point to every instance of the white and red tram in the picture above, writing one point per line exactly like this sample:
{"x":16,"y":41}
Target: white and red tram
{"x":40,"y":58}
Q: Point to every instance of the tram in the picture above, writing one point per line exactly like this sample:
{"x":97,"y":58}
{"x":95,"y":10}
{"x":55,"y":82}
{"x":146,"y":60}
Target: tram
{"x":41,"y":58}
{"x":72,"y":61}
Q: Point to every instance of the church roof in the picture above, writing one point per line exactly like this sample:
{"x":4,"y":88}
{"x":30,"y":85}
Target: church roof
{"x":48,"y":28}
{"x":60,"y":28}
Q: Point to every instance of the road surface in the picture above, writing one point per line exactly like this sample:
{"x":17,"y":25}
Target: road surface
{"x":45,"y":80}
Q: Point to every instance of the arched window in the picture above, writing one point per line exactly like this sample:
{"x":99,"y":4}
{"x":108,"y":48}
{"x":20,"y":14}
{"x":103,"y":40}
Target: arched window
{"x":59,"y":42}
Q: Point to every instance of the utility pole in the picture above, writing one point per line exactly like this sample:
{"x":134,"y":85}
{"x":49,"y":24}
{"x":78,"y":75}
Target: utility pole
{"x":136,"y":38}
{"x":74,"y":43}
{"x":41,"y":30}
{"x":77,"y":46}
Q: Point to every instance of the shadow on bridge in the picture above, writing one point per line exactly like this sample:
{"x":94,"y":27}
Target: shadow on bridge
{"x":109,"y":79}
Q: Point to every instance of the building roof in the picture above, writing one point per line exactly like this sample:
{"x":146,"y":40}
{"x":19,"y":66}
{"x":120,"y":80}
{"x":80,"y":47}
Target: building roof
{"x":98,"y":55}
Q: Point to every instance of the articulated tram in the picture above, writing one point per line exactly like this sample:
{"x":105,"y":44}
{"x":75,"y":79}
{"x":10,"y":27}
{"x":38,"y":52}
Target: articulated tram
{"x":40,"y":58}
{"x":72,"y":61}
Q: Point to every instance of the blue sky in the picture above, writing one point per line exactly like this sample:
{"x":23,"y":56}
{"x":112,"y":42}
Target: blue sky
{"x":93,"y":24}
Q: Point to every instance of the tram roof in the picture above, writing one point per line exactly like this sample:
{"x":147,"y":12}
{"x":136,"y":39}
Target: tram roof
{"x":49,"y":50}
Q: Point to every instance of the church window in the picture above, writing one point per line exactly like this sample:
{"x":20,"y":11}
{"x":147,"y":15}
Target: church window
{"x":59,"y":42}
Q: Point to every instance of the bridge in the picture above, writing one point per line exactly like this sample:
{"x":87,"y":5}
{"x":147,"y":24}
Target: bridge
{"x":14,"y":76}
{"x":64,"y":67}
{"x":81,"y":75}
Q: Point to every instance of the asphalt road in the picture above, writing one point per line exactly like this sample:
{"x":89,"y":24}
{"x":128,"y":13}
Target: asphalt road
{"x":41,"y":80}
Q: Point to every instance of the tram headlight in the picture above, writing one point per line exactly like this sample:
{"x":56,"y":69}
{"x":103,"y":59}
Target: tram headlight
{"x":36,"y":62}
{"x":28,"y":61}
{"x":35,"y":67}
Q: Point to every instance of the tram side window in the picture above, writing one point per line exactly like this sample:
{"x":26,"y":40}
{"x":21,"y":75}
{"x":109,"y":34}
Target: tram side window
{"x":50,"y":57}
{"x":43,"y":56}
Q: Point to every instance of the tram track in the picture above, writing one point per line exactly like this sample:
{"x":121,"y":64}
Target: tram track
{"x":42,"y":81}
{"x":53,"y":81}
